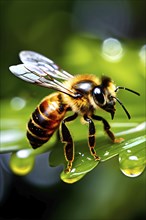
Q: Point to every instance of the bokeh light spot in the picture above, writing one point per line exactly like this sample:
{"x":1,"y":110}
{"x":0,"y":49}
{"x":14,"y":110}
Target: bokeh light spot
{"x":112,"y":50}
{"x":142,"y":54}
{"x":17,"y":103}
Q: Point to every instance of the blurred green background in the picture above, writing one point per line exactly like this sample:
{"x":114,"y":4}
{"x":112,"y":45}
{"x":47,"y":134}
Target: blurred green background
{"x":98,"y":37}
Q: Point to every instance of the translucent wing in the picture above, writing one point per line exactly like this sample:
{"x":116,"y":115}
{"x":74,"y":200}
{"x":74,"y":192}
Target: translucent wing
{"x":45,"y":64}
{"x":42,"y":71}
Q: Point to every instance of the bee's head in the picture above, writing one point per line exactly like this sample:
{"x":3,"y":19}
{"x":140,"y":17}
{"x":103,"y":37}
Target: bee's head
{"x":104,"y":96}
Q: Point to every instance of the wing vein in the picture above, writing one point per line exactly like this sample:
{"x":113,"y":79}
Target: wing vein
{"x":42,"y":71}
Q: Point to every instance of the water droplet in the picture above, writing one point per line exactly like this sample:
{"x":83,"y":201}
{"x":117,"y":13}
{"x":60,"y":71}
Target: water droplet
{"x":112,"y":50}
{"x":88,"y":158}
{"x":106,"y":153}
{"x":22,"y":162}
{"x":131,"y":165}
{"x":71,"y":177}
{"x":71,"y":180}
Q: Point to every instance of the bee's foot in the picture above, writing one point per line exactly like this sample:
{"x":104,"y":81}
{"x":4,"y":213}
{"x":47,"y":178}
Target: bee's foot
{"x":68,"y":169}
{"x":96,"y":158}
{"x":118,"y":140}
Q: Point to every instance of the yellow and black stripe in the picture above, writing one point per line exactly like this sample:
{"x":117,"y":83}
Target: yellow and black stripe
{"x":45,"y":120}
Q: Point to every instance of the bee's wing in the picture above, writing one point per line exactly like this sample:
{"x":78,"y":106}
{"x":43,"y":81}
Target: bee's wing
{"x":45,"y":64}
{"x":40,"y":70}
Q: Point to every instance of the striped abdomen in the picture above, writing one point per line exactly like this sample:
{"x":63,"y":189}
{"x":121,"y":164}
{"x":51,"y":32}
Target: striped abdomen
{"x":45,"y":120}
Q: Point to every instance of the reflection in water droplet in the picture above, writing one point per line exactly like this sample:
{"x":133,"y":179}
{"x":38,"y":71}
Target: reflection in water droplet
{"x":23,"y":153}
{"x":22,"y":162}
{"x":131,"y":165}
{"x":133,"y":172}
{"x":133,"y":157}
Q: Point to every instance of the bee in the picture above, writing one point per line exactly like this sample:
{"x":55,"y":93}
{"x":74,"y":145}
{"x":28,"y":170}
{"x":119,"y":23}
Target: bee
{"x":81,"y":94}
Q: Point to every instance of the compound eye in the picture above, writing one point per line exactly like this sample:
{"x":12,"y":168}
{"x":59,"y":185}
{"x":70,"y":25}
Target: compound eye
{"x":98,"y":96}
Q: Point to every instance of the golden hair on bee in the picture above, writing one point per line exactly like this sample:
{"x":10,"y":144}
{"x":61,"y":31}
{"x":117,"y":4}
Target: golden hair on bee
{"x":80,"y":83}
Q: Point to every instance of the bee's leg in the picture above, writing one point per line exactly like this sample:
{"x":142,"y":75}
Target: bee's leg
{"x":107,"y":129}
{"x":69,"y":146}
{"x":91,"y":137}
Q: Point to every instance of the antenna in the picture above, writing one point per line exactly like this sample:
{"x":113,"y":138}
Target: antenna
{"x":127,"y":113}
{"x":121,"y":87}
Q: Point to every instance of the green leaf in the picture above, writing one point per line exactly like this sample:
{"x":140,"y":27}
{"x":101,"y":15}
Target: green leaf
{"x":22,"y":160}
{"x":84,"y":162}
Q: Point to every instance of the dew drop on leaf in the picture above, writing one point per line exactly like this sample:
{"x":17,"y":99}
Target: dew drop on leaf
{"x":67,"y":178}
{"x":22,"y":162}
{"x":132,"y":165}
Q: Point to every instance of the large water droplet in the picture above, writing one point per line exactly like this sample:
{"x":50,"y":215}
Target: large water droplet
{"x":131,"y":164}
{"x":22,"y":162}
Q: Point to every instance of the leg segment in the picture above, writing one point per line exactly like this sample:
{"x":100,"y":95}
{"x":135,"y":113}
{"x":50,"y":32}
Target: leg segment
{"x":69,"y":146}
{"x":91,"y":137}
{"x":107,"y":129}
